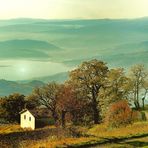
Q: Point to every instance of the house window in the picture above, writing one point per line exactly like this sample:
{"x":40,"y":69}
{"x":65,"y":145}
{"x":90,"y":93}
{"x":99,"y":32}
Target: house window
{"x":29,"y":118}
{"x":24,"y":117}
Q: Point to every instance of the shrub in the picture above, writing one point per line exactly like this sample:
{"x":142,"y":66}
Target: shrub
{"x":138,"y":116}
{"x":143,"y":116}
{"x":78,"y":131}
{"x":119,"y":114}
{"x":11,"y":107}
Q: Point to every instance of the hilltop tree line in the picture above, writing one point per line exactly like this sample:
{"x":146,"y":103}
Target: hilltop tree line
{"x":92,"y":94}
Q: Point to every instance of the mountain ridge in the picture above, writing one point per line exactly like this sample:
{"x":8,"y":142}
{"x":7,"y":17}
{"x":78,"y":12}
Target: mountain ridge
{"x":9,"y":87}
{"x":25,"y":87}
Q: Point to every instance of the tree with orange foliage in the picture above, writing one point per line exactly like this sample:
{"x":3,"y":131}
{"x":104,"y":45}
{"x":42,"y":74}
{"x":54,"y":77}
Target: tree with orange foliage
{"x":67,"y":102}
{"x":119,"y":114}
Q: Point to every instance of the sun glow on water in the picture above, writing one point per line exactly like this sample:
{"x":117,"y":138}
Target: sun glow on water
{"x":23,"y":70}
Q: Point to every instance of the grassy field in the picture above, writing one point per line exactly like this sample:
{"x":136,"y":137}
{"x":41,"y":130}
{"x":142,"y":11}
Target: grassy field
{"x":6,"y":129}
{"x":135,"y":135}
{"x":133,"y":129}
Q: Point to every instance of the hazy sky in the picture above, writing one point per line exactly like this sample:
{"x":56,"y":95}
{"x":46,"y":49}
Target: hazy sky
{"x":53,"y":9}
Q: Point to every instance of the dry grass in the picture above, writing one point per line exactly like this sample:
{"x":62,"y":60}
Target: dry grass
{"x":100,"y":132}
{"x":54,"y":143}
{"x":134,"y":129}
{"x":10,"y":128}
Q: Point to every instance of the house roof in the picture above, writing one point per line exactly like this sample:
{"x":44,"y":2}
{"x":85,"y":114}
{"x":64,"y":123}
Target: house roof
{"x":24,"y":110}
{"x":37,"y":113}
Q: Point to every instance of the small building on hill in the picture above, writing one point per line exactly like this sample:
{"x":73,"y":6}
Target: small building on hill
{"x":34,"y":118}
{"x":27,"y":119}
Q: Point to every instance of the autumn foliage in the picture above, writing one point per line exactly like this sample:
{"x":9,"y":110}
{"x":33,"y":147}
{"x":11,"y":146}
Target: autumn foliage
{"x":86,"y":96}
{"x":67,"y":103}
{"x":119,"y":114}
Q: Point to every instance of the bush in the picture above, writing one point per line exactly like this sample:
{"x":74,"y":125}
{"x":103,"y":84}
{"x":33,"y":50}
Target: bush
{"x":42,"y":122}
{"x":143,"y":116}
{"x":138,"y":116}
{"x":119,"y":114}
{"x":11,"y":106}
{"x":78,"y":131}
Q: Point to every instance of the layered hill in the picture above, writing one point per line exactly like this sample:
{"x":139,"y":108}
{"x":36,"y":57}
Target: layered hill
{"x":10,"y":87}
{"x":120,"y":43}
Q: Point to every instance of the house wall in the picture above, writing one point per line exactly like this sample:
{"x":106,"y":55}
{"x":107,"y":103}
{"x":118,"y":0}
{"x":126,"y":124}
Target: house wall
{"x":26,"y":123}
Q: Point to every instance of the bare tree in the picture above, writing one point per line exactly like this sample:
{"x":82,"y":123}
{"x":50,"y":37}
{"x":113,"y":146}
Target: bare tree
{"x":145,"y":86}
{"x":47,"y":96}
{"x":138,"y":77}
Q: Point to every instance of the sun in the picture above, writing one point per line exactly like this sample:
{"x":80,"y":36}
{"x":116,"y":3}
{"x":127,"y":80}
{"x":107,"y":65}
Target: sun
{"x":23,"y":70}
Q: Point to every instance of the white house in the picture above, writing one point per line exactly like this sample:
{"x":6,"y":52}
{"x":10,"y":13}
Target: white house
{"x":27,"y":119}
{"x":36,"y":118}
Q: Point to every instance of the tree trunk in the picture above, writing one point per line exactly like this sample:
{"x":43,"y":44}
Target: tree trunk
{"x":63,"y":118}
{"x":55,"y":117}
{"x":95,"y":108}
{"x":137,"y":106}
{"x":136,"y":97}
{"x":74,"y":118}
{"x":137,"y":94}
{"x":143,"y":99}
{"x":96,"y":114}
